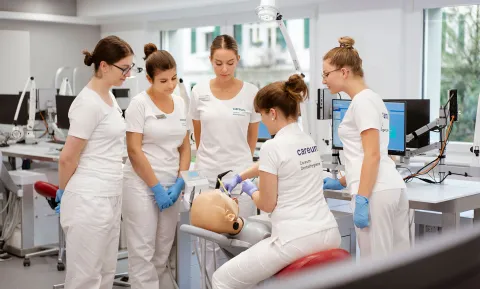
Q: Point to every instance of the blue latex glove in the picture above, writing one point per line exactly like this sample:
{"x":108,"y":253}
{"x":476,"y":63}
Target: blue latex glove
{"x":161,"y":197}
{"x":174,"y":191}
{"x":249,"y":188}
{"x":360,"y":216}
{"x":59,"y":195}
{"x":58,"y":199}
{"x":332,"y":184}
{"x":230,"y":185}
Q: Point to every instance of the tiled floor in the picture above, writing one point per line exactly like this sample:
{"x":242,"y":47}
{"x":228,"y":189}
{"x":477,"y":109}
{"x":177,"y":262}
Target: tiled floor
{"x":42,"y":273}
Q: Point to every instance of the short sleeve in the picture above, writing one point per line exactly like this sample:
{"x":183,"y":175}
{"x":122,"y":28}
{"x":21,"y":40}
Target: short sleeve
{"x":366,"y":115}
{"x":269,"y":158}
{"x":193,"y":112}
{"x":254,"y":117}
{"x":135,"y":116}
{"x":84,"y":118}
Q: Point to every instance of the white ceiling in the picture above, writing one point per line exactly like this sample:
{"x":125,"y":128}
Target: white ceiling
{"x":116,"y":11}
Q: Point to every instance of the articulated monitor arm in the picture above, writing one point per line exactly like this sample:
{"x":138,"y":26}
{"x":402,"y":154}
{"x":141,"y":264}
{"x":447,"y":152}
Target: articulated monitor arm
{"x":18,"y":132}
{"x":475,"y":149}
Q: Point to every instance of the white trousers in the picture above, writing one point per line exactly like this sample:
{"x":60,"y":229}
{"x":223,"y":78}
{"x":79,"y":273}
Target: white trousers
{"x":269,"y":256}
{"x":150,"y":235}
{"x":92,"y":231}
{"x":388,"y":230}
{"x":247,"y":208}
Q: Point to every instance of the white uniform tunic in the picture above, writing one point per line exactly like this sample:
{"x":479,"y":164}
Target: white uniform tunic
{"x":388,"y":203}
{"x":302,"y":223}
{"x":150,"y":233}
{"x":223,"y":141}
{"x":91,"y":205}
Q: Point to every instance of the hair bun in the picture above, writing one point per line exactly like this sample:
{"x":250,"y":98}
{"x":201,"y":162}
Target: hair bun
{"x":346,"y":42}
{"x":296,"y":88}
{"x":88,"y":60}
{"x":149,"y":48}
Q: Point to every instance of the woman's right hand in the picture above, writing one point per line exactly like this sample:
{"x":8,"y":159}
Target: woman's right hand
{"x":332,"y":184}
{"x":161,"y":197}
{"x":231,"y":184}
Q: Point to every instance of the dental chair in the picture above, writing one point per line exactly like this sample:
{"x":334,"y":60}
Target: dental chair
{"x":253,"y":232}
{"x":49,"y":191}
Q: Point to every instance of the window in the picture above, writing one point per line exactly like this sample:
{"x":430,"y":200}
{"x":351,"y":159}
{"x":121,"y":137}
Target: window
{"x":262,"y":60}
{"x":193,"y":41}
{"x":280,"y":40}
{"x":209,"y":36}
{"x":237,"y":33}
{"x":306,"y":33}
{"x":458,"y":59}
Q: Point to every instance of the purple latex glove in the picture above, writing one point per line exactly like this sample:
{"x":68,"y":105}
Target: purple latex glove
{"x":230,"y":185}
{"x":249,"y":188}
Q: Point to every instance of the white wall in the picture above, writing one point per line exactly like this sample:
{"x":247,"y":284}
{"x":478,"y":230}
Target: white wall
{"x":57,"y":7}
{"x":388,"y":37}
{"x":53,"y":46}
{"x":137,"y":38}
{"x":15,"y":59}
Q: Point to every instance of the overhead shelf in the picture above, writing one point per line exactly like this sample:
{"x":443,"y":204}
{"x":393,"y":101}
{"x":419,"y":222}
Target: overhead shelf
{"x":22,"y":16}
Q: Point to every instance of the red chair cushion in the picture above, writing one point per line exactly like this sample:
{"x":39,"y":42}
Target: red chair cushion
{"x":315,"y":260}
{"x":46,"y":189}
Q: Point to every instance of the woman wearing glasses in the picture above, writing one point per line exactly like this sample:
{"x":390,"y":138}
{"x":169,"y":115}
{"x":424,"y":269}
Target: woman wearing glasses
{"x":90,"y":170}
{"x":379,"y":198}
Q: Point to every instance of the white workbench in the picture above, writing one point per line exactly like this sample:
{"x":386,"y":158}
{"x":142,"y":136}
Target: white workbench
{"x":450,"y":198}
{"x":43,"y":151}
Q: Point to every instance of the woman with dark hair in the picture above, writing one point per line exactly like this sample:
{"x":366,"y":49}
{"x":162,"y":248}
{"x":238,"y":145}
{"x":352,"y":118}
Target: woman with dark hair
{"x":290,"y":190}
{"x":158,"y":149}
{"x":90,"y":170}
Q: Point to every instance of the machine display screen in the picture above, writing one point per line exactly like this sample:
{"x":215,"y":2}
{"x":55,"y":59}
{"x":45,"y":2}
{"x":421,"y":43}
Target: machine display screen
{"x":397,"y":115}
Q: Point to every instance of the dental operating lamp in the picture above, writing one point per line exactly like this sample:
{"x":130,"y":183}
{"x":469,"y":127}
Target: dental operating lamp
{"x":267,"y":12}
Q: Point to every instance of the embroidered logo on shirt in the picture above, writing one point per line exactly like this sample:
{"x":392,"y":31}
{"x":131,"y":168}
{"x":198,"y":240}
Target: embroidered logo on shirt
{"x":385,"y":115}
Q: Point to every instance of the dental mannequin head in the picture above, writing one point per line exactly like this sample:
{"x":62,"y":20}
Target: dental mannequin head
{"x":342,"y":68}
{"x":224,"y":57}
{"x":161,"y":70}
{"x":216,"y":212}
{"x":279,"y":102}
{"x":112,"y":59}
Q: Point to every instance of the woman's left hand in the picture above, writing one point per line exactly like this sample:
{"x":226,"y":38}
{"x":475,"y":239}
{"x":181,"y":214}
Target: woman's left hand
{"x":360,"y":216}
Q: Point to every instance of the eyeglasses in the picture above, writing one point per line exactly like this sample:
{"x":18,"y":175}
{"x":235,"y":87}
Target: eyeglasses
{"x":125,"y":71}
{"x":326,"y":74}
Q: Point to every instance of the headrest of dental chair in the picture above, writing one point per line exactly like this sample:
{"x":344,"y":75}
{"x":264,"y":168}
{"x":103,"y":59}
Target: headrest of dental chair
{"x":321,"y":258}
{"x":46,"y":189}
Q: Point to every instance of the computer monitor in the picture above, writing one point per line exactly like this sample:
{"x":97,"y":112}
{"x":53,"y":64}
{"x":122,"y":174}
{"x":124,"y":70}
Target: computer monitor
{"x":63,"y":103}
{"x":121,"y":92}
{"x":263,"y":134}
{"x":8,"y":107}
{"x":418,"y":111}
{"x":449,"y":260}
{"x":397,"y":113}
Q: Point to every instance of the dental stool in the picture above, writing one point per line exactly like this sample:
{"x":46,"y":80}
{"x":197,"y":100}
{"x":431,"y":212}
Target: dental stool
{"x":49,"y":191}
{"x":314,"y":261}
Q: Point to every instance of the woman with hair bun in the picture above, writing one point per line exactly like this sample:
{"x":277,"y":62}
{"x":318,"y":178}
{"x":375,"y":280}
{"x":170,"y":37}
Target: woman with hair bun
{"x":290,"y":189}
{"x":90,"y":170}
{"x":379,"y":198}
{"x":158,"y":149}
